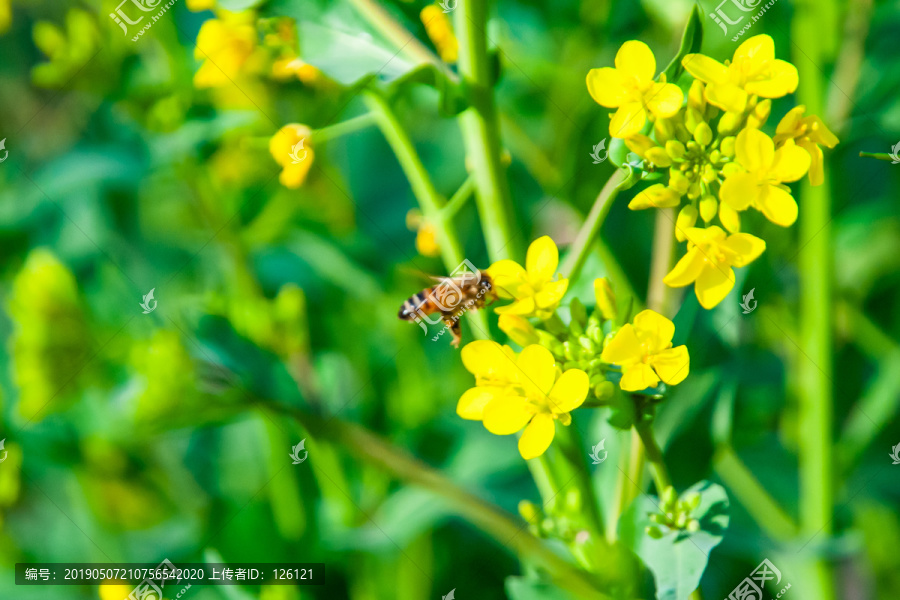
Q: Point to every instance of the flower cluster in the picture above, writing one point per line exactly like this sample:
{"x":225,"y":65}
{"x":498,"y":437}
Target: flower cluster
{"x":709,"y":148}
{"x":561,"y":364}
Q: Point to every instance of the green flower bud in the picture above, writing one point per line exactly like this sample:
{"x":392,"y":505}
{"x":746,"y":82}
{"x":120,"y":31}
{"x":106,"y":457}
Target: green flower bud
{"x":703,"y":134}
{"x":693,"y":525}
{"x":675,"y":149}
{"x":659,"y":157}
{"x":529,"y":511}
{"x":727,"y":146}
{"x":654,"y":532}
{"x":730,"y":123}
{"x":693,"y":501}
{"x":668,"y":499}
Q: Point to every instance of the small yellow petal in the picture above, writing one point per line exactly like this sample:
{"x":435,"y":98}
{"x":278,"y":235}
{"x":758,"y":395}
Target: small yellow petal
{"x":624,"y":348}
{"x":791,"y":162}
{"x":778,"y":206}
{"x":672,"y":365}
{"x":758,"y":49}
{"x":506,"y":415}
{"x":740,"y":190}
{"x":638,"y":377}
{"x":635,"y":59}
{"x":473,"y":401}
{"x":655,"y":196}
{"x":541,"y":260}
{"x":705,"y":69}
{"x":747,"y":248}
{"x":569,"y":391}
{"x":654,"y":331}
{"x":754,"y":150}
{"x":537,"y":369}
{"x":727,"y":96}
{"x":664,"y":99}
{"x":607,"y":87}
{"x":817,"y":159}
{"x":713,"y":285}
{"x":628,"y":120}
{"x":686,"y":270}
{"x":781,"y":79}
{"x":537,"y":437}
{"x":518,"y":329}
{"x":551,"y":294}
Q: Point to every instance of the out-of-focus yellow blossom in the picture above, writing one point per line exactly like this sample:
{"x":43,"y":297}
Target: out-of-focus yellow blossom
{"x":527,"y":392}
{"x":5,"y":15}
{"x":766,"y":169}
{"x":115,"y":590}
{"x":644,"y":352}
{"x":629,"y":87}
{"x":50,"y":343}
{"x":224,"y":44}
{"x":518,"y":329}
{"x":198,"y":5}
{"x":606,"y":299}
{"x":754,"y":70}
{"x":426,"y":233}
{"x":535,"y":289}
{"x":440,"y":32}
{"x":809,"y":133}
{"x":287,"y":68}
{"x":709,"y":260}
{"x":290,"y":147}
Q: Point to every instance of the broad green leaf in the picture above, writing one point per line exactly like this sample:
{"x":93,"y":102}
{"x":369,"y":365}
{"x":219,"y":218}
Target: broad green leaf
{"x":691,"y":40}
{"x":678,"y":559}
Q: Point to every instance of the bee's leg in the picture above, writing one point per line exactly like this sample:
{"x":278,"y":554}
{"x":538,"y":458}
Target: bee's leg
{"x":453,"y":326}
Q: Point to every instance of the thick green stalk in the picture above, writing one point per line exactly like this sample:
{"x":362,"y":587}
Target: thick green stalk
{"x":343,"y":128}
{"x":815,"y":274}
{"x":481,"y":132}
{"x":495,"y":522}
{"x":429,"y":200}
{"x":579,"y":249}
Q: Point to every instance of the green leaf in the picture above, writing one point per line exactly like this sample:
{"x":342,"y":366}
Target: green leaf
{"x":678,"y":559}
{"x":453,"y":101}
{"x":526,"y":588}
{"x":691,"y":40}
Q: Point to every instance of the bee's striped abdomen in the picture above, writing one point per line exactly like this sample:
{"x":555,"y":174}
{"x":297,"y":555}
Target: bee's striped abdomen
{"x":417,"y":303}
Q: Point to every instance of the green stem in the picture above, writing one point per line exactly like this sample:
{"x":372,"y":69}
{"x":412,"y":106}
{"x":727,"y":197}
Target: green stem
{"x":770,"y":517}
{"x":405,"y":41}
{"x":460,"y":198}
{"x":430,"y":202}
{"x":343,"y":128}
{"x":814,"y":375}
{"x":481,"y":131}
{"x":655,"y":457}
{"x":878,"y":155}
{"x":579,"y":249}
{"x":495,"y":522}
{"x":659,"y":295}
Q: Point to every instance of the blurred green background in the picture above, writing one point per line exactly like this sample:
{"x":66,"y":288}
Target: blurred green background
{"x":137,"y":437}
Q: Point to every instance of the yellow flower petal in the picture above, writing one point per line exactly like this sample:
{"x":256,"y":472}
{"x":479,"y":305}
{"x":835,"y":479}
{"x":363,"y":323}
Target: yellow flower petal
{"x":727,"y":96}
{"x":817,"y":159}
{"x":537,"y":369}
{"x":654,"y":331}
{"x":628,"y":120}
{"x":473,"y":401}
{"x":672,"y":365}
{"x":754,"y":150}
{"x":624,"y":348}
{"x":506,"y":415}
{"x":747,"y":248}
{"x":488,"y":359}
{"x":664,"y":99}
{"x":551,"y":293}
{"x":713,"y":285}
{"x":740,"y":190}
{"x":819,"y":133}
{"x":655,"y":196}
{"x":293,"y":175}
{"x":638,"y":377}
{"x":506,"y":275}
{"x":729,"y":217}
{"x":781,"y":80}
{"x":541,"y":260}
{"x":569,"y":391}
{"x":607,"y":87}
{"x":790,"y":123}
{"x":537,"y":437}
{"x":518,"y":329}
{"x":758,"y":49}
{"x":523,"y":307}
{"x":704,"y":68}
{"x":791,"y":162}
{"x":686,"y":270}
{"x":778,"y":206}
{"x":635,"y":59}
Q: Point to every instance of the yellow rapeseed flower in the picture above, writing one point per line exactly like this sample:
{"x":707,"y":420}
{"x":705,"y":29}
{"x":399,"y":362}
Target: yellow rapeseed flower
{"x":809,"y":133}
{"x":115,"y":590}
{"x":5,"y":15}
{"x":287,"y":68}
{"x":761,"y":184}
{"x":291,"y":148}
{"x":439,"y":31}
{"x":709,"y":260}
{"x":754,"y":70}
{"x":525,"y":391}
{"x":629,"y":87}
{"x":644,"y":352}
{"x":199,"y":5}
{"x":535,"y":288}
{"x":225,"y":44}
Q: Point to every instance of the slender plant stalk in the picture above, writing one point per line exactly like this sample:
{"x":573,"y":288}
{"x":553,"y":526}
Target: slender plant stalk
{"x":815,"y":273}
{"x":429,"y":200}
{"x":481,"y":132}
{"x":588,"y":233}
{"x":658,"y":293}
{"x":343,"y":128}
{"x":498,"y":524}
{"x":654,"y":457}
{"x":459,"y":199}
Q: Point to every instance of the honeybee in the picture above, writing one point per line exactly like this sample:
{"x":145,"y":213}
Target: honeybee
{"x":465,"y":289}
